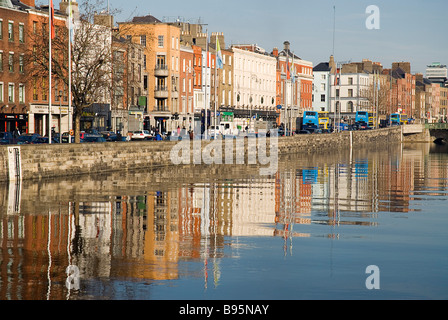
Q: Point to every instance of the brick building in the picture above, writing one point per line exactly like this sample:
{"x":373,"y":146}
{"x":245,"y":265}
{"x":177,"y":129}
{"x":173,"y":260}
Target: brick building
{"x":24,"y":100}
{"x":294,"y":84}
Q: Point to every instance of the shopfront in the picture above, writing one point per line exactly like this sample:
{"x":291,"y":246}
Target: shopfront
{"x":61,"y":119}
{"x":10,"y":122}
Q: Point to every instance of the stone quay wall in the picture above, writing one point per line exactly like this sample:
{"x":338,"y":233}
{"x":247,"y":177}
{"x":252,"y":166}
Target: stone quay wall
{"x":62,"y":160}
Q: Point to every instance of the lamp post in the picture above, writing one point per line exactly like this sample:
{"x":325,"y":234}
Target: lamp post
{"x":253,"y":76}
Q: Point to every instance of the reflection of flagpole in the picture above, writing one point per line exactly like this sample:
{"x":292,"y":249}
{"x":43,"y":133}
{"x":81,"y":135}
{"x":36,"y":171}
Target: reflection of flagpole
{"x":49,"y":255}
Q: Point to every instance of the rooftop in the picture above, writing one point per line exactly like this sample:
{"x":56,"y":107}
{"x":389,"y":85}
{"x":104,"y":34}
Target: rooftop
{"x":146,"y":19}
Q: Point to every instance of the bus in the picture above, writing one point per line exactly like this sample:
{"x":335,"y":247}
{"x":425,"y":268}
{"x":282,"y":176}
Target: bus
{"x":362,"y":117}
{"x":398,"y":119}
{"x":372,"y":119}
{"x":404,"y":118}
{"x":310,"y":120}
{"x":324,"y":119}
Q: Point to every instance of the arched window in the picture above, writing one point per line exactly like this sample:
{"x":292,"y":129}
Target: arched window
{"x":350,"y":106}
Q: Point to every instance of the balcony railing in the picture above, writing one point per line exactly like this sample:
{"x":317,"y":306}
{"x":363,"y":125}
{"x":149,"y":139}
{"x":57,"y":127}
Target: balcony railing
{"x":161,"y":92}
{"x":163,"y":109}
{"x":161,"y":70}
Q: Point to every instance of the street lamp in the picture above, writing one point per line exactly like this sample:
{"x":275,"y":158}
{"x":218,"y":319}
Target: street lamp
{"x":253,"y":76}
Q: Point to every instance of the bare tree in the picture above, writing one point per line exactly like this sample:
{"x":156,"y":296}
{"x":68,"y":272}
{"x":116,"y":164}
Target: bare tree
{"x":91,"y":59}
{"x":379,"y":97}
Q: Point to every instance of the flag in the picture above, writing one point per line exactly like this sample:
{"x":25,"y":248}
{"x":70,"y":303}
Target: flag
{"x":53,"y":33}
{"x":293,"y":74}
{"x":219,"y":63}
{"x":288,"y":75}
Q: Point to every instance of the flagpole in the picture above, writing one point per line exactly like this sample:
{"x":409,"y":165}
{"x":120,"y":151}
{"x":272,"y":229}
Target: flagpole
{"x":69,"y":70}
{"x":292,"y":95}
{"x":205,"y":74}
{"x":216,"y":84}
{"x":49,"y":68}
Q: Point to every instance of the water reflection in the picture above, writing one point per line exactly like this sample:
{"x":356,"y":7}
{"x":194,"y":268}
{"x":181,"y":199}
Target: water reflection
{"x":140,"y":226}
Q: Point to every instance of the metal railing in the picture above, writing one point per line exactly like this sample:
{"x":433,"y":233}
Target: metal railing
{"x":436,"y":126}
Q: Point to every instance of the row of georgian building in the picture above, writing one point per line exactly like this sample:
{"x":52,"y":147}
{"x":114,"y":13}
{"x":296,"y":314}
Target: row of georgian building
{"x":181,"y":77}
{"x":344,"y":88}
{"x":165,"y":75}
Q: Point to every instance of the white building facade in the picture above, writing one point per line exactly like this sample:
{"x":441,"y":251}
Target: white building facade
{"x":321,"y":87}
{"x":350,"y":93}
{"x":254,"y":75}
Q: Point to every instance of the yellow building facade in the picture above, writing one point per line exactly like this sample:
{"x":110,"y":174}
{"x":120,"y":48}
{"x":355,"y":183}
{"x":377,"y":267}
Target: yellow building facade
{"x":162,"y":67}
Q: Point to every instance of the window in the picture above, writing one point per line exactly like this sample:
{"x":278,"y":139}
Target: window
{"x":160,"y":41}
{"x":11,"y":93}
{"x":11,"y":31}
{"x":143,"y":40}
{"x":350,"y":92}
{"x":1,"y":92}
{"x":322,"y":98}
{"x":1,"y":61}
{"x":34,"y":27}
{"x":35,"y":97}
{"x":11,"y":62}
{"x":1,"y":29}
{"x":56,"y":89}
{"x":21,"y":33}
{"x":350,"y":81}
{"x":322,"y":87}
{"x":44,"y":88}
{"x":21,"y":68}
{"x":21,"y":93}
{"x":323,"y":77}
{"x":350,"y":106}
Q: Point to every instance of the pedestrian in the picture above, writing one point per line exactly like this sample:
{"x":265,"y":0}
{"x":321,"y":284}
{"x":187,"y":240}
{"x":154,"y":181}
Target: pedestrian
{"x":178,"y":130}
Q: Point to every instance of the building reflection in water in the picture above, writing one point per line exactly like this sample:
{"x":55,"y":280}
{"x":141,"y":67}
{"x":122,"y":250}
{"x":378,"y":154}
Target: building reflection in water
{"x":146,"y":235}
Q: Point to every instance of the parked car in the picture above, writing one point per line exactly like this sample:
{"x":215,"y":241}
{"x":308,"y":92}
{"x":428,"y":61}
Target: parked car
{"x":93,"y":132}
{"x":109,"y":135}
{"x":93,"y":139}
{"x":7,"y":138}
{"x":141,"y":135}
{"x":29,"y":138}
{"x":65,"y":136}
{"x":44,"y":140}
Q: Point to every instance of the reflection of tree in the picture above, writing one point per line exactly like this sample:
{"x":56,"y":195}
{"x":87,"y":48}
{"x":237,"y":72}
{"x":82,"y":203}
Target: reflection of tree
{"x":78,"y":240}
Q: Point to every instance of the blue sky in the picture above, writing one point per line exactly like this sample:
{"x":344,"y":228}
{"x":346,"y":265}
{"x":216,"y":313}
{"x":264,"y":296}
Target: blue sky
{"x":410,"y":30}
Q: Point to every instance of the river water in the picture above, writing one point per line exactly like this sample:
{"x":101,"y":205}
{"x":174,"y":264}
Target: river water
{"x":357,"y":224}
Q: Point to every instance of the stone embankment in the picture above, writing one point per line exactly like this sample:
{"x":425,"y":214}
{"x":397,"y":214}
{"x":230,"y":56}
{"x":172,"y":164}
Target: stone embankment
{"x":61,"y":160}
